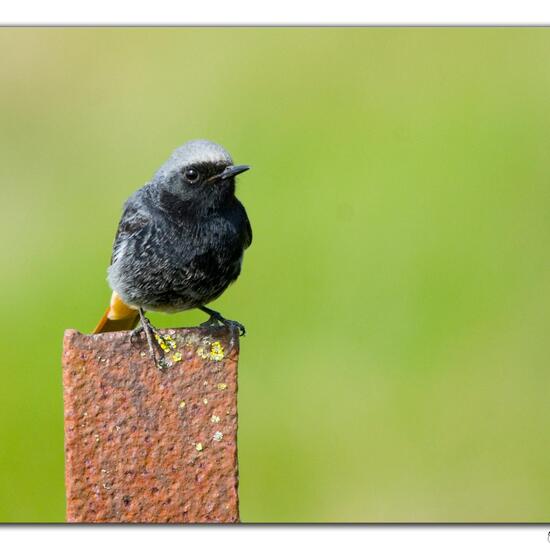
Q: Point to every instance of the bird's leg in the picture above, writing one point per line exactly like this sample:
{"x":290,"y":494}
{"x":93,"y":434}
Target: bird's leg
{"x":216,"y":319}
{"x":151,"y":333}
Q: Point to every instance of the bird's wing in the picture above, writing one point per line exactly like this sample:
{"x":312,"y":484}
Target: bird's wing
{"x":120,"y":316}
{"x":131,"y":222}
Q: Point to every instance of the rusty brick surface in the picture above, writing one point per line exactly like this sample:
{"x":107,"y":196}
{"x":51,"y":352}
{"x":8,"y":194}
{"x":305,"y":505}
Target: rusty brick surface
{"x":150,"y":446}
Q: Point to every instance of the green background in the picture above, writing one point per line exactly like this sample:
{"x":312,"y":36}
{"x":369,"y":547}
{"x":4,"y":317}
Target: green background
{"x":396,"y":293}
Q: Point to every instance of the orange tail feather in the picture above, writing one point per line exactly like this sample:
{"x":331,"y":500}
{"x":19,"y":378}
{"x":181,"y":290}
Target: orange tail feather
{"x":118,"y":316}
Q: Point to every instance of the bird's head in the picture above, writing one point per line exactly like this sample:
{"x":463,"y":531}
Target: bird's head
{"x":199,"y":172}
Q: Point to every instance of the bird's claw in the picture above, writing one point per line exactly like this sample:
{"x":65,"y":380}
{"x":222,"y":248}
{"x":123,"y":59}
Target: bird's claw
{"x":216,"y":320}
{"x":135,"y":334}
{"x":237,"y":325}
{"x":211,"y":323}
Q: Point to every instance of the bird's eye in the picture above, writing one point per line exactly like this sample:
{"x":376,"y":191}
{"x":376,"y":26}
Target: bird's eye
{"x":192,"y":175}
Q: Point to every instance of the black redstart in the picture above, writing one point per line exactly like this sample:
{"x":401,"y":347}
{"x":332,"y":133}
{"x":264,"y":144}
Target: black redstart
{"x":180,"y":241}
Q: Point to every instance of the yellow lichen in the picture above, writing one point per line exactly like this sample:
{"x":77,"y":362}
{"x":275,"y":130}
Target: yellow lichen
{"x":166,"y":343}
{"x":215,"y":353}
{"x":222,"y":386}
{"x":182,"y":405}
{"x":177,"y":357}
{"x":170,"y":341}
{"x":198,"y":446}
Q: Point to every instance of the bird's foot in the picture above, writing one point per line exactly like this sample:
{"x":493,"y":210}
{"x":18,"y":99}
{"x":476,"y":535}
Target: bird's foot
{"x":154,"y":341}
{"x":135,"y":334}
{"x":216,"y":320}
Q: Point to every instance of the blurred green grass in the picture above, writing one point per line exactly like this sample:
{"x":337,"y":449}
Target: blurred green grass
{"x":397,"y":290}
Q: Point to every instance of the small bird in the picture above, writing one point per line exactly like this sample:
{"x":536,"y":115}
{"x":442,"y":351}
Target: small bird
{"x":180,"y":242}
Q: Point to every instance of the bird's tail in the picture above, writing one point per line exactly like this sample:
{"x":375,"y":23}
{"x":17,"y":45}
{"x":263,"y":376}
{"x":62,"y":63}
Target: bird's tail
{"x":118,"y":316}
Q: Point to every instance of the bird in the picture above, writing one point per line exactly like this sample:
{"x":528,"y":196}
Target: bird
{"x":179,"y":244}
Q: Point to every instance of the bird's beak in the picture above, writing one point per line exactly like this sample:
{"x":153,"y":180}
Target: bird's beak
{"x":231,"y":171}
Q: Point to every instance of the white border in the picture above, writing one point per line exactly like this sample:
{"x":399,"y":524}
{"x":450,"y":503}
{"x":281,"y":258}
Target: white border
{"x":275,"y":538}
{"x":281,"y":12}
